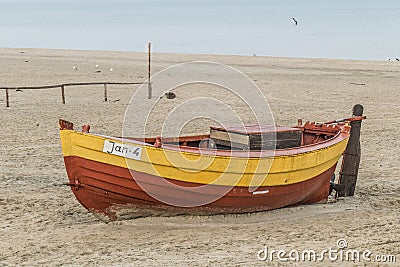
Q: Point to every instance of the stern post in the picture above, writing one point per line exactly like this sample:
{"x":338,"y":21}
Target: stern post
{"x":351,"y":157}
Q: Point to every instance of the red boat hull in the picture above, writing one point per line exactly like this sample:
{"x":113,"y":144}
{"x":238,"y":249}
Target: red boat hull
{"x":113,"y":191}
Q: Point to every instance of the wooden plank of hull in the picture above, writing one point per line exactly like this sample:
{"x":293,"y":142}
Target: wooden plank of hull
{"x":111,"y":190}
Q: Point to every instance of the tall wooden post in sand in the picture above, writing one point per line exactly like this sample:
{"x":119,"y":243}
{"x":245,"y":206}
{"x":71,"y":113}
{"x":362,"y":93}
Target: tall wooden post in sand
{"x":149,"y":73}
{"x":351,"y":157}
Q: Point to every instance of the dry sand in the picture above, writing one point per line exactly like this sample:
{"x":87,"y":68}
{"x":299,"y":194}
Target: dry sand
{"x":43,"y":224}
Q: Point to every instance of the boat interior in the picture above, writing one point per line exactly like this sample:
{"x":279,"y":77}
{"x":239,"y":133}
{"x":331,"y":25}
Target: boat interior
{"x":252,"y":137}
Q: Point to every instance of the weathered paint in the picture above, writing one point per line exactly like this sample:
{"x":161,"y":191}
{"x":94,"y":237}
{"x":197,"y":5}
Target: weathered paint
{"x":303,"y":164}
{"x":108,"y":189}
{"x":108,"y":183}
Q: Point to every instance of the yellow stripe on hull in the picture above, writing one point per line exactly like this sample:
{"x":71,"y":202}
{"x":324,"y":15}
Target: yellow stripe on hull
{"x":208,"y":169}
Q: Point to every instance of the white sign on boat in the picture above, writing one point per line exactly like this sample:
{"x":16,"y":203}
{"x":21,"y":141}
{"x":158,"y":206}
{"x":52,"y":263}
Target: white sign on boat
{"x":122,"y":150}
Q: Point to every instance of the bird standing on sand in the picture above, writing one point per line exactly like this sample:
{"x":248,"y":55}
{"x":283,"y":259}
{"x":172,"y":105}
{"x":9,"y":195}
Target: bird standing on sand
{"x":295,"y":21}
{"x":75,"y":68}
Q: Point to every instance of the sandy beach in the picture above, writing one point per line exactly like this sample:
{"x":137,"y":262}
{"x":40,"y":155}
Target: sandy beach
{"x":42,"y":224}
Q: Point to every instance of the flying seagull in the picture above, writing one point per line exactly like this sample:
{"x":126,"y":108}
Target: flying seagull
{"x":295,"y":21}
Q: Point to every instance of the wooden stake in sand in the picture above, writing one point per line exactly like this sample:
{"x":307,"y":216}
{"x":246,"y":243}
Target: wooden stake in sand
{"x":351,"y":157}
{"x":105,"y":92}
{"x":7,"y":99}
{"x":149,"y":73}
{"x":62,"y":94}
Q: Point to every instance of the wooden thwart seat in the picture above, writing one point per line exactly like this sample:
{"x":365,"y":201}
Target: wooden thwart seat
{"x":256,"y":137}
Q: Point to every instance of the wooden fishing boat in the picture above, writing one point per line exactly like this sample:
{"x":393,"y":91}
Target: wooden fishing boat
{"x":131,"y":177}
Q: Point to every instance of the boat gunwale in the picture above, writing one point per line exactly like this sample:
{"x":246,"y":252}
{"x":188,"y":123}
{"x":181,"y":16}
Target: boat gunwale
{"x":341,"y":136}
